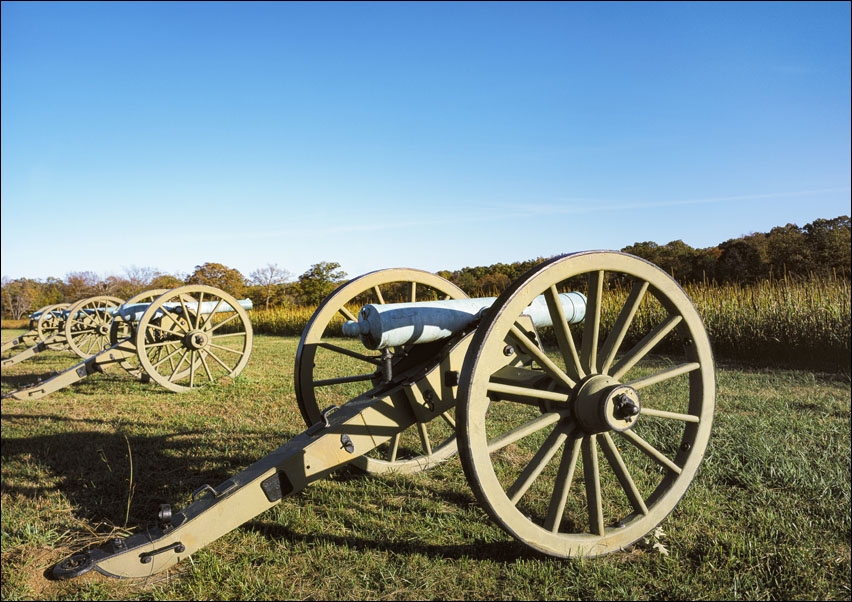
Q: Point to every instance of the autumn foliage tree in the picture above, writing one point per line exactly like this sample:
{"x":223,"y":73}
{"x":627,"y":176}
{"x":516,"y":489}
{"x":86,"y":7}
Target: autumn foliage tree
{"x":316,"y":284}
{"x":219,"y":276}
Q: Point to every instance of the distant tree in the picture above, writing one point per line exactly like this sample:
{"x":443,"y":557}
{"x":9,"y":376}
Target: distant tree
{"x":316,"y":284}
{"x":81,"y":285}
{"x":166,"y":281}
{"x":19,"y":297}
{"x":140,"y":278}
{"x":222,"y":277}
{"x":647,"y":250}
{"x":744,"y":259}
{"x":788,"y":251}
{"x":269,"y":280}
{"x":829,"y":243}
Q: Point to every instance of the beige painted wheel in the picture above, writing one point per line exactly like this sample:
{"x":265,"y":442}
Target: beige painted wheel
{"x":589,"y":447}
{"x":182,"y":348}
{"x":88,"y":324}
{"x":124,"y":330}
{"x":52,"y":322}
{"x":331,"y":369}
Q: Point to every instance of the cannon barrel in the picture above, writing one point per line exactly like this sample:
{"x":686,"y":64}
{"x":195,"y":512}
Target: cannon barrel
{"x":393,"y":324}
{"x":133,"y":312}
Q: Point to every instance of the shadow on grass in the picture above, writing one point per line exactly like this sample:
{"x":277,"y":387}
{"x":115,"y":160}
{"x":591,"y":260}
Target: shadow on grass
{"x":97,"y":471}
{"x":507,"y":551}
{"x":98,"y":466}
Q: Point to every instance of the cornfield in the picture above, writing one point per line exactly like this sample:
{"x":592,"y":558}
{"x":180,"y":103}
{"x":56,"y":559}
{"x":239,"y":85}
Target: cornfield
{"x":789,"y":323}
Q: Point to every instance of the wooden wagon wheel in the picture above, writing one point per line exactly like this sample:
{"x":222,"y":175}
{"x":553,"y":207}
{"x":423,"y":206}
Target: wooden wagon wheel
{"x":50,"y":323}
{"x":181,"y":347}
{"x":331,"y":369}
{"x":604,"y":439}
{"x":121,"y":330}
{"x":87,"y":326}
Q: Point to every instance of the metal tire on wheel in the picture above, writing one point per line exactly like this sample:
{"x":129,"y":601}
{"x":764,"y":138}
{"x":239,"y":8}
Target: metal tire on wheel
{"x":88,"y":324}
{"x":622,"y":406}
{"x":330,"y":370}
{"x":182,"y":348}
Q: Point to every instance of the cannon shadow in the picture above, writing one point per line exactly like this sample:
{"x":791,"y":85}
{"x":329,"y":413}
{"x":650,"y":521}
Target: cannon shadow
{"x":111,"y":478}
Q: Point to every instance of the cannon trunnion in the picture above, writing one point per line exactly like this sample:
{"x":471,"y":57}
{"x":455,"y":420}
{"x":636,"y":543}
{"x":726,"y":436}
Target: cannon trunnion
{"x":577,"y":437}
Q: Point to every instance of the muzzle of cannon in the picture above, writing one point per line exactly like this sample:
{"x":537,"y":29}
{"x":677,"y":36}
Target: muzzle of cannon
{"x":578,"y":430}
{"x":181,"y":338}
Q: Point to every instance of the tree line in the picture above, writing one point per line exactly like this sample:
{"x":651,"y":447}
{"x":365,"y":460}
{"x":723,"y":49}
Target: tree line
{"x":820,"y":248}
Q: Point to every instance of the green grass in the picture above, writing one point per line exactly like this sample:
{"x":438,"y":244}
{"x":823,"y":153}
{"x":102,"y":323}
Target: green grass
{"x":768,"y":516}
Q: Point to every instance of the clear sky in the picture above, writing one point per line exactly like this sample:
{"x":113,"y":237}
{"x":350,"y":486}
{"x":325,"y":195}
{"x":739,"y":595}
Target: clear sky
{"x":439,"y":135}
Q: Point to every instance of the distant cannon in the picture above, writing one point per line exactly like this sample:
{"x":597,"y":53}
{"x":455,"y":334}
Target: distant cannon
{"x":82,"y":327}
{"x":573,"y":434}
{"x":45,"y":315}
{"x":179,"y":338}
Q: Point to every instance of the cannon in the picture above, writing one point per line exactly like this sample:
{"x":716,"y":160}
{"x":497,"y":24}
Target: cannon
{"x":82,"y":327}
{"x":47,"y":316}
{"x":579,"y":424}
{"x":181,"y":338}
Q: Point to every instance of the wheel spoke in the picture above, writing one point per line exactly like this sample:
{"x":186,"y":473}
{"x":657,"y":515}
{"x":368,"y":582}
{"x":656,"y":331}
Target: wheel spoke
{"x":342,"y":380}
{"x":664,"y":375}
{"x":524,"y":430}
{"x":160,"y":358}
{"x":393,"y":447}
{"x":424,"y":438}
{"x":532,"y":470}
{"x":545,"y":362}
{"x":198,"y":311}
{"x":379,"y":295}
{"x":616,"y":462}
{"x":622,"y":324}
{"x":173,"y":332}
{"x":228,"y":335}
{"x":184,"y":311}
{"x":170,"y":342}
{"x":204,"y":323}
{"x":370,"y":359}
{"x":225,"y":321}
{"x":563,"y":333}
{"x":347,"y":314}
{"x":645,"y":346}
{"x":203,"y":358}
{"x":646,"y":411}
{"x":180,"y":362}
{"x":650,"y":451}
{"x":192,"y":363}
{"x":564,"y":477}
{"x":591,"y":323}
{"x":216,"y":357}
{"x":592,"y":478}
{"x":412,"y":296}
{"x":528,"y":395}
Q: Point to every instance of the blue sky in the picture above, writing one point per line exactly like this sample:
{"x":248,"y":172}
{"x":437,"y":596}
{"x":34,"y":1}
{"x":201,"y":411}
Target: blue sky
{"x":428,"y":135}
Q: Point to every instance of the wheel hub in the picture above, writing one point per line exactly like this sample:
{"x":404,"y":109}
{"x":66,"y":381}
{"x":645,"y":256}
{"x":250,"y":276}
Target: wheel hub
{"x":603,"y":404}
{"x":196,"y":339}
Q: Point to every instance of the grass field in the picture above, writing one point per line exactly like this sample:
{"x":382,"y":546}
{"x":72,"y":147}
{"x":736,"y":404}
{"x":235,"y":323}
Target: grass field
{"x":767,"y":518}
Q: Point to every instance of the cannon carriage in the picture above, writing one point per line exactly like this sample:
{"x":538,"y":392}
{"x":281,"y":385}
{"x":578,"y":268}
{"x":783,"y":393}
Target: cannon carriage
{"x":576,"y":433}
{"x":181,"y":338}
